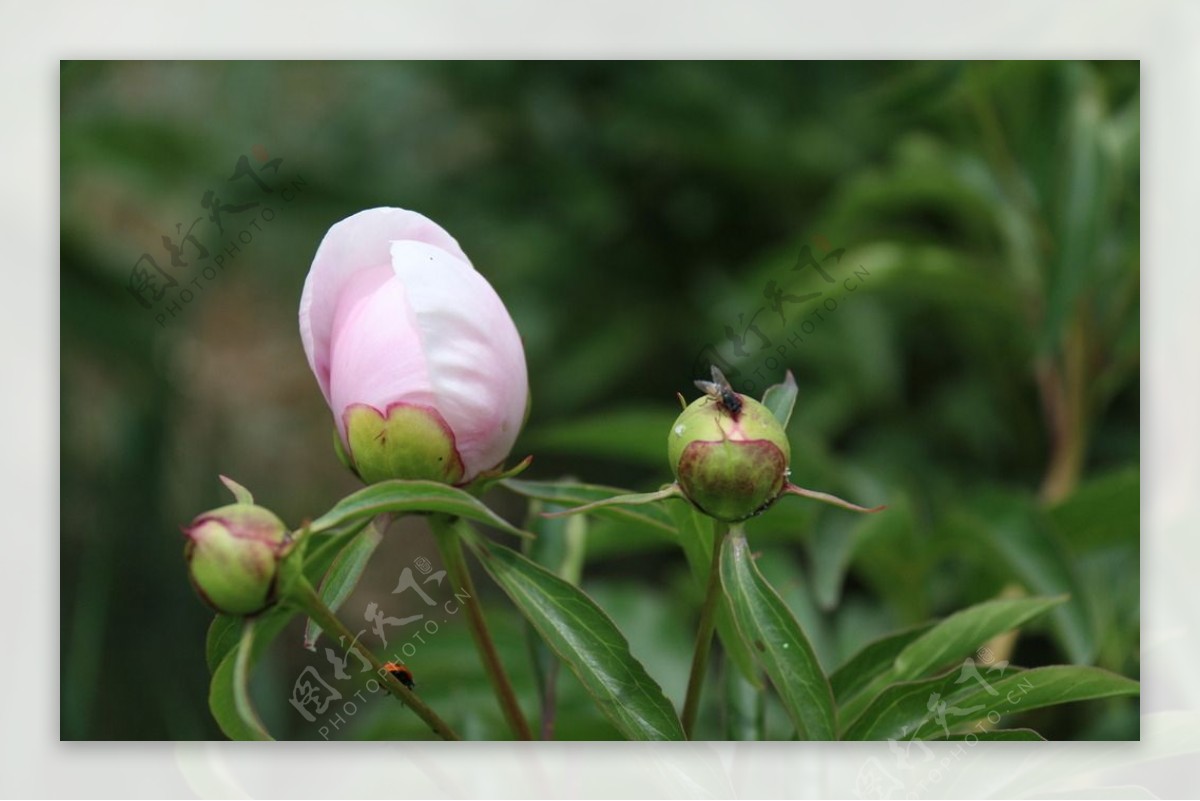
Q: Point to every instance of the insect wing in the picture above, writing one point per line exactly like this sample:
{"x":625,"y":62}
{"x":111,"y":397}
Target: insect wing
{"x":719,"y":378}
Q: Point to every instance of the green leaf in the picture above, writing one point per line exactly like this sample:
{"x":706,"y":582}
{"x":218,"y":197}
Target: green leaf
{"x":956,"y":637}
{"x":909,"y":710}
{"x":586,"y":640}
{"x":874,"y":659}
{"x":319,"y":556}
{"x":999,"y":735}
{"x":789,"y":580}
{"x":696,"y":538}
{"x":559,"y":546}
{"x":964,"y":631}
{"x":344,"y":573}
{"x":779,"y":643}
{"x":410,"y":496}
{"x":656,"y":517}
{"x":229,"y":698}
{"x":781,"y":399}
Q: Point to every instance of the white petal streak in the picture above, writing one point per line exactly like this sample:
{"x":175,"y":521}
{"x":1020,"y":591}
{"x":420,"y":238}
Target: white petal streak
{"x":473,"y":353}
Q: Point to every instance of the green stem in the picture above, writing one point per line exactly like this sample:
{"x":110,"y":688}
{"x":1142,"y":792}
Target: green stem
{"x":449,"y":541}
{"x":307,"y":598}
{"x":708,"y":620}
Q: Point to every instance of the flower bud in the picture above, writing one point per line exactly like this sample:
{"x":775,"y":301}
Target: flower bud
{"x":730,"y":464}
{"x":416,"y":355}
{"x":233,"y":557}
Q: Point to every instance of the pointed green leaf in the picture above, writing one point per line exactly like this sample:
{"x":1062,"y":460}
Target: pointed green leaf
{"x":910,"y":709}
{"x":951,"y":639}
{"x":781,"y":399}
{"x":410,"y":496}
{"x":962,"y":632}
{"x":777,"y":642}
{"x":344,"y":574}
{"x":587,"y":642}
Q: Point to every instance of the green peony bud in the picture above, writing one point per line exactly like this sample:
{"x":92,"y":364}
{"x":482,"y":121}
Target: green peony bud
{"x":730,"y":464}
{"x":409,"y":442}
{"x":233,"y":557}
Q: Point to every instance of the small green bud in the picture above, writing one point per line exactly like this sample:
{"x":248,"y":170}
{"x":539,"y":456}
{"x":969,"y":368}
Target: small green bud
{"x":730,"y":464}
{"x":233,"y":557}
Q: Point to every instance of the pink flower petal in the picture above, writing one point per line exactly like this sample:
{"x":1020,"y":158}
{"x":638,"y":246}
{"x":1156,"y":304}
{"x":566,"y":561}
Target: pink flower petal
{"x":357,"y":243}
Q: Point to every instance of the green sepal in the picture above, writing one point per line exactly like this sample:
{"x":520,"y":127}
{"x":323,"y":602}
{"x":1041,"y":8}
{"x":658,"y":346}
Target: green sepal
{"x":407,"y":441}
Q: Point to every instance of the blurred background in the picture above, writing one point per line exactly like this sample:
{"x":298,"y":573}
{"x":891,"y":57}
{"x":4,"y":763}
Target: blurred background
{"x":946,"y":255}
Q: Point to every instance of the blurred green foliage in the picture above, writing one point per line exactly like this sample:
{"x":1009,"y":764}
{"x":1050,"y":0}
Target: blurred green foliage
{"x":978,"y":370}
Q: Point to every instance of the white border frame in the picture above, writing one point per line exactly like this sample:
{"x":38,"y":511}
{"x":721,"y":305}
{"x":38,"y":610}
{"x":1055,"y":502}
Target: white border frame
{"x":1163,"y":34}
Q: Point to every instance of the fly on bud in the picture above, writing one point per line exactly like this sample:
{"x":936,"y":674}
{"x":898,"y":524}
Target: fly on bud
{"x":719,"y":390}
{"x":233,"y":557}
{"x":730,"y":456}
{"x":729,"y":453}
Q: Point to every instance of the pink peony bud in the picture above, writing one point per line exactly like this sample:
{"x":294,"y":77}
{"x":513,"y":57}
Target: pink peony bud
{"x":416,"y":355}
